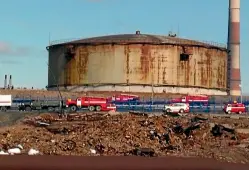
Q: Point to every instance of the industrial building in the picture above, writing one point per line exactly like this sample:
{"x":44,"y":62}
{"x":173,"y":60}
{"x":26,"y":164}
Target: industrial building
{"x":139,"y":63}
{"x":149,"y":63}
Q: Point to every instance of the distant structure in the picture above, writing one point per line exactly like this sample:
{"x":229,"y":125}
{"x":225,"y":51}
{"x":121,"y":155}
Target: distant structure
{"x":5,"y":82}
{"x":234,"y":77}
{"x":10,"y":82}
{"x":139,"y":63}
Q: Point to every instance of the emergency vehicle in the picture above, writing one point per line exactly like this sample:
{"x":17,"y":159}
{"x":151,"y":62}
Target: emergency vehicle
{"x":92,"y":103}
{"x":190,"y":99}
{"x":235,"y":107}
{"x":123,"y":98}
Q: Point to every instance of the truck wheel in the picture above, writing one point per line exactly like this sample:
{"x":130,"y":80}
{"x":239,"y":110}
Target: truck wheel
{"x":240,"y":112}
{"x":73,"y":108}
{"x":91,"y":108}
{"x":98,"y":108}
{"x":28,"y":108}
{"x":3,"y":109}
{"x":57,"y":109}
{"x":50,"y":109}
{"x":168,"y":111}
{"x":229,"y":112}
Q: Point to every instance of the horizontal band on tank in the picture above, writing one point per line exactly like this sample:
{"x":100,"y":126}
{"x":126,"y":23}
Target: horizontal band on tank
{"x":111,"y":84}
{"x":234,"y":32}
{"x":142,"y":89}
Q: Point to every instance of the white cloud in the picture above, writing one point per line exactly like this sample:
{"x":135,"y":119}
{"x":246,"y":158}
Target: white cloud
{"x":10,"y":62}
{"x":8,"y":49}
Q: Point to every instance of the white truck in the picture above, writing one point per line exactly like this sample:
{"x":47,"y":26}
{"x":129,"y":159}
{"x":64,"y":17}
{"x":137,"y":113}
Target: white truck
{"x":5,"y":102}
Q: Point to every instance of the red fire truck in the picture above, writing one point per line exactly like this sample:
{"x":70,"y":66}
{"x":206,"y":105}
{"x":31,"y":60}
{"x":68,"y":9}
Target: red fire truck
{"x":235,"y":107}
{"x":92,"y":103}
{"x":123,"y":98}
{"x":190,"y":98}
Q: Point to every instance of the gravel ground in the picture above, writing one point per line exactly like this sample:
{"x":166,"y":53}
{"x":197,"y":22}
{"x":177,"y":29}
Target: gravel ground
{"x":11,"y":117}
{"x":121,"y":134}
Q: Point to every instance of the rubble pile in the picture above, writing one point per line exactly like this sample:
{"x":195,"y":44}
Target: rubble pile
{"x":129,"y":134}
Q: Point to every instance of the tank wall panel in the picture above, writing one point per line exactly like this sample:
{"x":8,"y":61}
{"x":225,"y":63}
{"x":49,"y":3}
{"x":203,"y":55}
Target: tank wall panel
{"x":56,"y":73}
{"x":141,"y":64}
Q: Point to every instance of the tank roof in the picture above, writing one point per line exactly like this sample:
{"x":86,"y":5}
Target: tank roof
{"x":141,"y":38}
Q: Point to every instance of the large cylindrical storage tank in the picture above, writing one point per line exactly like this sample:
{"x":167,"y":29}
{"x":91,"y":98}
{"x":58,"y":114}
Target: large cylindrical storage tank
{"x":138,"y":63}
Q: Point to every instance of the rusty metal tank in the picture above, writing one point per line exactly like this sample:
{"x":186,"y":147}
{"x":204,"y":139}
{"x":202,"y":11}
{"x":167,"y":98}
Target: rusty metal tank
{"x":139,"y":63}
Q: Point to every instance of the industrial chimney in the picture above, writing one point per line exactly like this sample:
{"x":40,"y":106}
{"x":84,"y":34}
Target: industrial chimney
{"x":10,"y":82}
{"x":5,"y":81}
{"x":234,"y":78}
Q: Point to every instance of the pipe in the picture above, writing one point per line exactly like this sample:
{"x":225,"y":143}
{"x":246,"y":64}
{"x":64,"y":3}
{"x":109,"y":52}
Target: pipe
{"x":234,"y":77}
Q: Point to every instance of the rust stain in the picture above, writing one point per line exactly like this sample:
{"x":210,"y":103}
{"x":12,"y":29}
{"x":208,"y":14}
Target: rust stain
{"x":203,"y":79}
{"x":159,"y":63}
{"x":68,"y":69}
{"x":82,"y":63}
{"x":203,"y":73}
{"x":127,"y":54}
{"x":185,"y":69}
{"x":209,"y":70}
{"x":206,"y":68}
{"x":145,"y":62}
{"x":188,"y":71}
{"x":219,"y":76}
{"x":225,"y":74}
{"x":164,"y":76}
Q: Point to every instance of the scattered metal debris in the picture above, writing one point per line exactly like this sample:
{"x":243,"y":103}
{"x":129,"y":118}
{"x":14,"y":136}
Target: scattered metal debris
{"x":129,"y":134}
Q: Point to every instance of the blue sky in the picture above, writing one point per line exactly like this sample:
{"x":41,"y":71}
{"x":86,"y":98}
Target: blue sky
{"x":26,"y":24}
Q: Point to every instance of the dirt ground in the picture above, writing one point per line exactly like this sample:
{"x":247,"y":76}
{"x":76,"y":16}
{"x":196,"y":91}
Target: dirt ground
{"x":11,"y":118}
{"x":130,"y":134}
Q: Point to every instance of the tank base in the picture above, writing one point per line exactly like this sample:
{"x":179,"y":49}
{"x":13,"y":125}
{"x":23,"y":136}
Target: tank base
{"x":143,"y":89}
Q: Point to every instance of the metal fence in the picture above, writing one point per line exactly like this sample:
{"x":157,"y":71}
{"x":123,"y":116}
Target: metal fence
{"x":215,"y":104}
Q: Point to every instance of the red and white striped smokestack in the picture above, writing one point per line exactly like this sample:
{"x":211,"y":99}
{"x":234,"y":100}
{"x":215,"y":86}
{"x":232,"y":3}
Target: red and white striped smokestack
{"x":234,"y":79}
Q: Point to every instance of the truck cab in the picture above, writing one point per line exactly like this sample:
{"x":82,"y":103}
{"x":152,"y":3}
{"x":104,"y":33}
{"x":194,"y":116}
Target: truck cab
{"x":5,"y":102}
